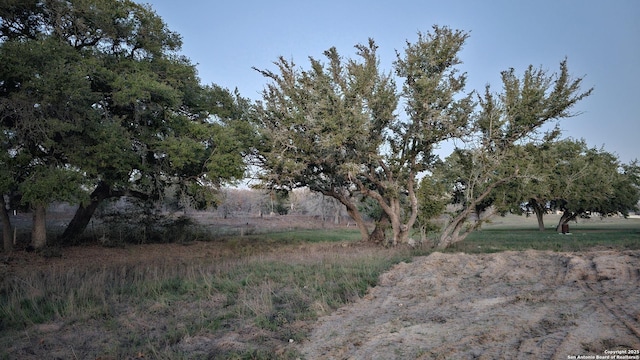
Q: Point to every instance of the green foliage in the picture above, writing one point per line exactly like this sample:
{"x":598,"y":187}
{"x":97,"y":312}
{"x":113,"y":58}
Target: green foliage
{"x":320,"y":123}
{"x":432,"y":200}
{"x":334,"y":127}
{"x":488,"y":176}
{"x":105,"y":94}
{"x":536,"y":98}
{"x":569,"y":176}
{"x":47,"y":185}
{"x":433,"y":87}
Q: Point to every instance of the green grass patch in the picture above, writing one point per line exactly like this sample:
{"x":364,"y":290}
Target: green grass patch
{"x":621,"y":234}
{"x":252,"y":244}
{"x":308,"y":236}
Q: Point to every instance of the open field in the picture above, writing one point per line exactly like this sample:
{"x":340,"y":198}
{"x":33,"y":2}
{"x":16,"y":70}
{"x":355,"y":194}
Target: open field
{"x":318,"y":294}
{"x":520,"y":233}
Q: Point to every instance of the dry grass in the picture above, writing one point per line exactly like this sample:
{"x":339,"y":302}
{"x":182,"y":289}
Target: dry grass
{"x":198,"y":301}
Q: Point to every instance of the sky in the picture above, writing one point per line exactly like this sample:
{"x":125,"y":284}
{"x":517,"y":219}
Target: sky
{"x":599,"y":38}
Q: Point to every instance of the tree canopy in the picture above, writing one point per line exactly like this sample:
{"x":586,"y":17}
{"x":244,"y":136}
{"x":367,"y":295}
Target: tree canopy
{"x":566,"y":175}
{"x":336,"y":128}
{"x":95,"y":96}
{"x":321,"y":125}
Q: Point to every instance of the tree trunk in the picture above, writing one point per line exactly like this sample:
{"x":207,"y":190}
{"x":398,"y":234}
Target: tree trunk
{"x":400,"y":230}
{"x":352,"y":210}
{"x":79,"y":223}
{"x":539,"y":211}
{"x":7,"y":240}
{"x":393,"y":210}
{"x":396,"y":226}
{"x":565,"y":218}
{"x":83,"y":215}
{"x":39,"y":227}
{"x":451,"y":233}
{"x":362,"y":226}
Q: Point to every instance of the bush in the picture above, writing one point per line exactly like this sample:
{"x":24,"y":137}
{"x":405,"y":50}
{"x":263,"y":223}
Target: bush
{"x":133,"y":222}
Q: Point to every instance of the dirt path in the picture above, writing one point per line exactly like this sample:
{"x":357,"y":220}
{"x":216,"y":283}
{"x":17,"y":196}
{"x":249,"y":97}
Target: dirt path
{"x":512,"y":305}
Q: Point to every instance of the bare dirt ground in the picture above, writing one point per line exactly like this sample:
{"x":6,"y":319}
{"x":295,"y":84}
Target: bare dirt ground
{"x":512,"y":305}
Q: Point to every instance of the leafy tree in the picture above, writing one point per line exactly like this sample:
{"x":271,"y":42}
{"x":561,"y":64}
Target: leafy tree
{"x":320,"y":126}
{"x":595,"y":182}
{"x":44,"y":102}
{"x":569,"y":176}
{"x":531,"y":192}
{"x":97,"y":89}
{"x":437,"y":110}
{"x":334,"y":128}
{"x":506,"y":121}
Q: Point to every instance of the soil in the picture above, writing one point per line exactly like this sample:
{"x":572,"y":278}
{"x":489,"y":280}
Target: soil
{"x":512,"y":305}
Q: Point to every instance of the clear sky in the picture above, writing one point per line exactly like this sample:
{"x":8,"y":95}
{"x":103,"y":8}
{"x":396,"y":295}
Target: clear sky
{"x":600,"y":39}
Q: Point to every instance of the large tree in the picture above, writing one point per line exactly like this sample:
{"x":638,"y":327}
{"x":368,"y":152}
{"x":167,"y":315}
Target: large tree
{"x":497,"y":157}
{"x":566,"y":175}
{"x":334,"y":128}
{"x":45,"y":101}
{"x":594,"y":181}
{"x":98,"y":89}
{"x":322,"y":125}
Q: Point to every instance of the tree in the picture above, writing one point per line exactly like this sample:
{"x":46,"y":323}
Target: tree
{"x":559,"y":166}
{"x":319,"y":126}
{"x":568,"y":176}
{"x":515,"y":117}
{"x":595,"y":182}
{"x":334,"y":128}
{"x":44,"y":101}
{"x":437,"y":111}
{"x":546,"y":176}
{"x":110,"y":99}
{"x":432,"y":200}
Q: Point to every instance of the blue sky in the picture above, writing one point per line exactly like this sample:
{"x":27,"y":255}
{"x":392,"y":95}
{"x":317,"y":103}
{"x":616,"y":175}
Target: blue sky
{"x":600,"y":39}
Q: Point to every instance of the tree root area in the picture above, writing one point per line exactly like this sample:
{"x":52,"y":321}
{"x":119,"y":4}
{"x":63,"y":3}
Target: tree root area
{"x":511,"y":305}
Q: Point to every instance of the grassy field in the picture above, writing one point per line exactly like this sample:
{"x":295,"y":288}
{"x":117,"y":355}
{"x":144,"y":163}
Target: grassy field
{"x":520,"y":233}
{"x":249,"y":298}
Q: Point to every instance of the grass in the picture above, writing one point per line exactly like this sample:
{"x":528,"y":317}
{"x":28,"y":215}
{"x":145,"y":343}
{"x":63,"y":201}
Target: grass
{"x":309,"y":236}
{"x":268,"y":297}
{"x":517,"y":233}
{"x":265,"y":292}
